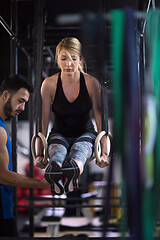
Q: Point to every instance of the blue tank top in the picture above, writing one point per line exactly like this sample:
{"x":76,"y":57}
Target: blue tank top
{"x":72,"y":119}
{"x":6,"y":192}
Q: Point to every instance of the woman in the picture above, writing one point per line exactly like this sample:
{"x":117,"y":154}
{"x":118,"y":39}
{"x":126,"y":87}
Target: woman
{"x":72,"y":94}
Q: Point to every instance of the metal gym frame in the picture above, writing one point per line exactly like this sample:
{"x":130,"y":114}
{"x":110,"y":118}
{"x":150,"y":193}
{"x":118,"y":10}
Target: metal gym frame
{"x":35,"y":74}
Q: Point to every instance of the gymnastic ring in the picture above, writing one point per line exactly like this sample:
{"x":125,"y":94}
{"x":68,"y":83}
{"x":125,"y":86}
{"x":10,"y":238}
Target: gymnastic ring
{"x":97,"y":146}
{"x":45,"y":145}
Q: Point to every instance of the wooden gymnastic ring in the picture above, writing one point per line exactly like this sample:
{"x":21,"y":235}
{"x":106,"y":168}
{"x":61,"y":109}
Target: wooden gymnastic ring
{"x":97,"y":146}
{"x":45,"y":145}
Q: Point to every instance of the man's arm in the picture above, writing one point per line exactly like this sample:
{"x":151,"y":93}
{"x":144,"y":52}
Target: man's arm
{"x":8,"y":177}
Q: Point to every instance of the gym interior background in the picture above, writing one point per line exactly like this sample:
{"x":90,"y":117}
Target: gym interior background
{"x":29,"y":50}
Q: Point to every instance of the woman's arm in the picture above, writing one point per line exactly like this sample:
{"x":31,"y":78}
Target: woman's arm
{"x":94,"y":88}
{"x":47,"y":94}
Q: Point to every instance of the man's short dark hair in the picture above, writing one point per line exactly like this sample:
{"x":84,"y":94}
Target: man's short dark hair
{"x":15,"y":82}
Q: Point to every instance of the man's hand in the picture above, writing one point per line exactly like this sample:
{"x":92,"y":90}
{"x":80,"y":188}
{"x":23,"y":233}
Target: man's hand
{"x":44,"y":183}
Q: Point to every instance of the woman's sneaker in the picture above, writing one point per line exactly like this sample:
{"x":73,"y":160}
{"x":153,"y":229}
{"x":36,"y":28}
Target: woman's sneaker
{"x":54,"y":175}
{"x":71,"y":173}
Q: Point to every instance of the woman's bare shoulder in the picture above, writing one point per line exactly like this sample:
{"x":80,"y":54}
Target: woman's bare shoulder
{"x":51,"y":79}
{"x":49,"y":86}
{"x":50,"y":82}
{"x":90,"y":79}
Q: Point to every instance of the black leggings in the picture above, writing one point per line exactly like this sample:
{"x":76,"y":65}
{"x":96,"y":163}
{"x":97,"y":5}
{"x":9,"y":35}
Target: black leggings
{"x":8,"y":228}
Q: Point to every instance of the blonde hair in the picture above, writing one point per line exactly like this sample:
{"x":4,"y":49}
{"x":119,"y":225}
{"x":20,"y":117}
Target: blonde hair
{"x":71,"y":44}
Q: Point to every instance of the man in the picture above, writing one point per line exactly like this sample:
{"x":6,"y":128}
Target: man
{"x":14,"y":93}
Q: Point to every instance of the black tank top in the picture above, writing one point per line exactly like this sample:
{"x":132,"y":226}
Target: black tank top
{"x":72,"y":119}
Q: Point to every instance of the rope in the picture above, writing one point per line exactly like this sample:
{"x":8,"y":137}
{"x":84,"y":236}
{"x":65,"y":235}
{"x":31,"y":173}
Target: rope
{"x":38,"y":51}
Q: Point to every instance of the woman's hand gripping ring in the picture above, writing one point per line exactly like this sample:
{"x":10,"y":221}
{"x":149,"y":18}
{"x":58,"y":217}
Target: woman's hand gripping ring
{"x":97,"y":145}
{"x":45,"y":146}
